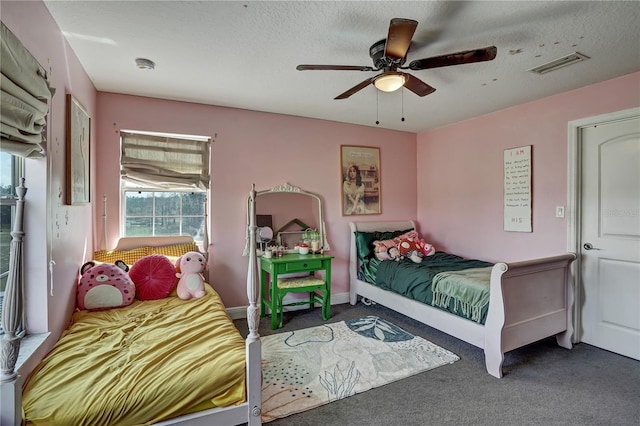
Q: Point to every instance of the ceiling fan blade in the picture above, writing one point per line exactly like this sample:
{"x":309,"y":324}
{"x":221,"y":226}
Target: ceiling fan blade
{"x":355,"y":88}
{"x":334,"y":67}
{"x":464,"y":57}
{"x":417,"y":86}
{"x":399,"y":37}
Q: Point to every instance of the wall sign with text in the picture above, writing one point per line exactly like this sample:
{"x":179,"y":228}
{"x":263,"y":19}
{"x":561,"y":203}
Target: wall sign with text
{"x":517,"y":189}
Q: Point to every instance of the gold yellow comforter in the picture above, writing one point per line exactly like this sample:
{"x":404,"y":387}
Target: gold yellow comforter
{"x":140,"y":364}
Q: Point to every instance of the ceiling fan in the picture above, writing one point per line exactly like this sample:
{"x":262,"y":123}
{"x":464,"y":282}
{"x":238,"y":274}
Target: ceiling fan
{"x":390,"y":54}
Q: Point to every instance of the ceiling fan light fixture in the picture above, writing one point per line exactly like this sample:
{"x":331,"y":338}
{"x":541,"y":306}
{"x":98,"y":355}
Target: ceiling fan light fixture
{"x":390,"y":81}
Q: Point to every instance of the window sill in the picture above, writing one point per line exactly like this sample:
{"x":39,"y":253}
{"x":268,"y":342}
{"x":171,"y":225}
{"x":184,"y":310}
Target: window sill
{"x":28,"y":346}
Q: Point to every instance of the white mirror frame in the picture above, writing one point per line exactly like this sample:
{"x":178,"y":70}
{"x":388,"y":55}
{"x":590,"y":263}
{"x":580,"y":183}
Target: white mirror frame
{"x":288,"y":188}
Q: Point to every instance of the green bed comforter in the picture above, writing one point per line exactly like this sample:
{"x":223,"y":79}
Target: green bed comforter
{"x":414,"y":280}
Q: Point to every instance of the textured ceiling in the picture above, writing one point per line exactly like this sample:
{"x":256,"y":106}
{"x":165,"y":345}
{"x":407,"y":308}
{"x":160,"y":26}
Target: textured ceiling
{"x":243,"y":54}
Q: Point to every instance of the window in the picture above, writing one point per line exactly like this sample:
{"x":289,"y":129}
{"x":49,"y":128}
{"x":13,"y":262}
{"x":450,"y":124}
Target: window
{"x":148,"y":212}
{"x":10,"y":172}
{"x":165,"y":184}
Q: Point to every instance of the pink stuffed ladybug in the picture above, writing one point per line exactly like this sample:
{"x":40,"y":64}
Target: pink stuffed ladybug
{"x":409,"y":249}
{"x":105,"y":286}
{"x":415,"y":250}
{"x":191,"y":283}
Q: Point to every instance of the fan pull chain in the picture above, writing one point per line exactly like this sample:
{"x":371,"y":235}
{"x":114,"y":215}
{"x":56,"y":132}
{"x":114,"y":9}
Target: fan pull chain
{"x":402,"y":119}
{"x":377,"y":108}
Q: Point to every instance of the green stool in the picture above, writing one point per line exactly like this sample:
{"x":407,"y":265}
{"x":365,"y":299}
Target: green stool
{"x":310,"y":284}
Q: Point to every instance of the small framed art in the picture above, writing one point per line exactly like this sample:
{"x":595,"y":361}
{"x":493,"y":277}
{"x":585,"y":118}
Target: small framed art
{"x":78,"y":143}
{"x":360,"y":167}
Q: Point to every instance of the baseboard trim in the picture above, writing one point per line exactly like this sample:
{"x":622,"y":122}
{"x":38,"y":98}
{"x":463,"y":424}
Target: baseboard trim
{"x":240,"y":312}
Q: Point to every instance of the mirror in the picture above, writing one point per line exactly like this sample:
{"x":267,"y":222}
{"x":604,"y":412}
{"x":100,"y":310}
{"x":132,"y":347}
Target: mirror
{"x":290,"y":211}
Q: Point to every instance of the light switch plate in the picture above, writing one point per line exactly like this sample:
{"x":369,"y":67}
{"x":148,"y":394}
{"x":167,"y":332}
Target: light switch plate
{"x":559,"y":211}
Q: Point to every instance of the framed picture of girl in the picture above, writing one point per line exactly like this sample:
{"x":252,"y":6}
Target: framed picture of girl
{"x":360,"y":180}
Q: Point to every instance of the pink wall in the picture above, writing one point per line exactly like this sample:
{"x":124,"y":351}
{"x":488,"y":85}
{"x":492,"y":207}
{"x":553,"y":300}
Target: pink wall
{"x":460,"y":179}
{"x":458,"y":183}
{"x":261,"y":148}
{"x":58,"y":237}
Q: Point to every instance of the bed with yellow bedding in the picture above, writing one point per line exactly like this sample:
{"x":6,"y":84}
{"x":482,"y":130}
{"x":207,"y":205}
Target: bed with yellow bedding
{"x":162,"y":360}
{"x":140,"y":364}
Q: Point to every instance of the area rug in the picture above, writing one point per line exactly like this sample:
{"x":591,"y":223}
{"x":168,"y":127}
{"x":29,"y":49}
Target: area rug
{"x":304,"y":369}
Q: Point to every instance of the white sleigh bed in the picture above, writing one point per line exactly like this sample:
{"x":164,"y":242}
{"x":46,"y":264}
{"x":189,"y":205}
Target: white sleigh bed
{"x":528,"y":301}
{"x":249,"y":411}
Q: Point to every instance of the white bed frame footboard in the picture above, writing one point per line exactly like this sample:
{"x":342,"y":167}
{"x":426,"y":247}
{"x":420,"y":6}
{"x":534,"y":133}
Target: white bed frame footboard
{"x":529,"y":301}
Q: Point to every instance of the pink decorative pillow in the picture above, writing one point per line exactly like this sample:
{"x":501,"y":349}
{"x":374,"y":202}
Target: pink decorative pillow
{"x":154,"y":277}
{"x":104,"y":286}
{"x":383,"y":246}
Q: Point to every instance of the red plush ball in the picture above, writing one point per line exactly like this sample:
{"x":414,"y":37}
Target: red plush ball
{"x":154,"y":277}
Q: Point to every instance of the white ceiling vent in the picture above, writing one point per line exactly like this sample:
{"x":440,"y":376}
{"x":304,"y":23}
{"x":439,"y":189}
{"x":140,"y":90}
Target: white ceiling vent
{"x":559,"y":63}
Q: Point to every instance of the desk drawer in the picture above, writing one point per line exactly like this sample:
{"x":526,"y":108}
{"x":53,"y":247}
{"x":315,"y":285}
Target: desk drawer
{"x":304,"y":265}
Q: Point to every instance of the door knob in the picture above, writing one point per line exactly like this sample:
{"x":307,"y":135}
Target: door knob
{"x":589,"y":246}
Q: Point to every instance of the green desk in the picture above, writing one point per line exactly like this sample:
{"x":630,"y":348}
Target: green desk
{"x":287,"y":264}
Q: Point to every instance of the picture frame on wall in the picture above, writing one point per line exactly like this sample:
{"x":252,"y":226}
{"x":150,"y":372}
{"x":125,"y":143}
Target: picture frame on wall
{"x":78,"y":128}
{"x":517,"y":189}
{"x":361,"y":182}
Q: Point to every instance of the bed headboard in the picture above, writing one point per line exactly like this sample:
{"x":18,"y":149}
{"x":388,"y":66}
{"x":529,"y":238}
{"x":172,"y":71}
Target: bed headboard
{"x":384,"y":226}
{"x":128,"y":243}
{"x":371,"y":227}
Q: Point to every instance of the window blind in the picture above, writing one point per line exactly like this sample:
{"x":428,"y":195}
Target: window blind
{"x":153,"y":161}
{"x":24,"y":93}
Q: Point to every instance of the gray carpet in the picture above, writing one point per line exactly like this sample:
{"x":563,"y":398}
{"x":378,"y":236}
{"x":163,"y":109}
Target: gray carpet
{"x":543,"y":384}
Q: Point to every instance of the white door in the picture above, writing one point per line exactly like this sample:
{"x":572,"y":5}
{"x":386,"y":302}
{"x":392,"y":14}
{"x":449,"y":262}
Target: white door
{"x":610,"y":236}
